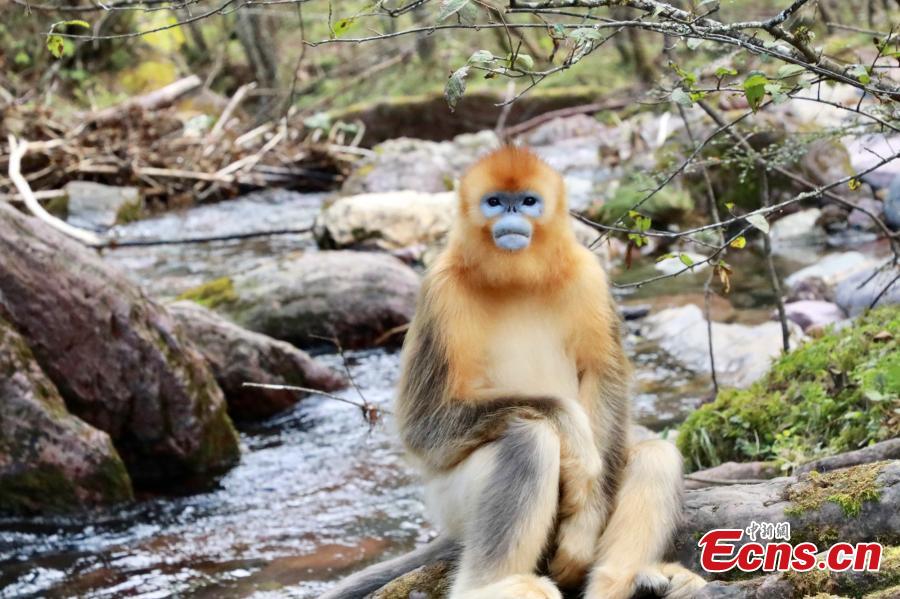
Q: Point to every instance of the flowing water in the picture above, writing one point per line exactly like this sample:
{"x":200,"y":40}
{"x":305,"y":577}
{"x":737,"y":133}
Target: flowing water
{"x":317,"y":493}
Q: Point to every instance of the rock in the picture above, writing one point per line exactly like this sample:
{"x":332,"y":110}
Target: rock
{"x":799,"y":229}
{"x":50,"y":460}
{"x":357,"y":297}
{"x":237,"y":356}
{"x":886,"y":450}
{"x":425,"y":166}
{"x":866,"y":151}
{"x":736,"y":471}
{"x":861,"y":221}
{"x":115,"y":355}
{"x":743,"y":353}
{"x":166,"y":271}
{"x":855,"y":294}
{"x":832,"y":269}
{"x":98,"y":207}
{"x":812,"y":313}
{"x":431,"y":581}
{"x":386,"y":221}
{"x":720,"y":308}
{"x":892,"y":204}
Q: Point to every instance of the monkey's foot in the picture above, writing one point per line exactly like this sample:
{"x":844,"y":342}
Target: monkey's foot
{"x":519,"y":586}
{"x":670,"y":581}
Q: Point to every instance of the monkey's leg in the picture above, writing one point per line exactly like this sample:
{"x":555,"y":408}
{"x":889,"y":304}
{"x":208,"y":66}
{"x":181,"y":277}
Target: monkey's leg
{"x":640,"y":527}
{"x":501,"y":503}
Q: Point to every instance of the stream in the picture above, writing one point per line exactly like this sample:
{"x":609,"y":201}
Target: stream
{"x":317,"y":492}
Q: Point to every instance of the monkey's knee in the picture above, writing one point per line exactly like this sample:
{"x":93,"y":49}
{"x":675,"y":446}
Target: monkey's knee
{"x":513,"y":516}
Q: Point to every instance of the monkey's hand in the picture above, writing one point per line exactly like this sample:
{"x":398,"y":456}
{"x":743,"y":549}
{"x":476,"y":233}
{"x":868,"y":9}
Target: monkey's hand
{"x":580,"y":462}
{"x":576,"y":540}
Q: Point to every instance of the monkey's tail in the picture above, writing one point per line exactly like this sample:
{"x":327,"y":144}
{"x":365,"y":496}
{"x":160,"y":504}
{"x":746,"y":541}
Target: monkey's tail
{"x":358,"y":585}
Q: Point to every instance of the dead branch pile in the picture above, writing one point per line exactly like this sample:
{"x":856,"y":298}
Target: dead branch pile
{"x":173,"y":157}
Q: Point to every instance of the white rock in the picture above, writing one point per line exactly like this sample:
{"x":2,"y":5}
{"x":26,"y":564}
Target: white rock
{"x":797,"y":229}
{"x":388,"y":221}
{"x":96,"y":206}
{"x":743,"y":353}
{"x":832,"y":269}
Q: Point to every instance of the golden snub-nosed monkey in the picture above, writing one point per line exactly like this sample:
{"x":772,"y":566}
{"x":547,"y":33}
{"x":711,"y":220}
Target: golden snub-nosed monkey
{"x":513,"y":402}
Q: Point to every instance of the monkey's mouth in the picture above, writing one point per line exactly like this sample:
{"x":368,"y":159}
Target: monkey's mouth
{"x":512,"y":233}
{"x":512,"y":241}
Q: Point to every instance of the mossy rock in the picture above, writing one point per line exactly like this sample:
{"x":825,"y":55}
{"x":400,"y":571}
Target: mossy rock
{"x":825,"y":583}
{"x":848,"y":488}
{"x":212,"y":294}
{"x":834,"y":394}
{"x":669,"y":204}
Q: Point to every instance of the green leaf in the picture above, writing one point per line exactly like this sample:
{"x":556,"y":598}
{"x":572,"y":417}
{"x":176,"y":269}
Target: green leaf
{"x":739,"y":242}
{"x":759,"y":221}
{"x":860,"y":72}
{"x":755,"y":89}
{"x":342,"y":26}
{"x":686,"y":260}
{"x":729,"y":206}
{"x":523,"y":61}
{"x":456,"y":87}
{"x":789,"y":70}
{"x":679,"y":96}
{"x":77,"y":23}
{"x":56,"y":45}
{"x":22,"y":59}
{"x":481,"y":57}
{"x":451,"y":7}
{"x":665,"y":257}
{"x":584,"y":34}
{"x":689,"y":78}
{"x":725,"y":72}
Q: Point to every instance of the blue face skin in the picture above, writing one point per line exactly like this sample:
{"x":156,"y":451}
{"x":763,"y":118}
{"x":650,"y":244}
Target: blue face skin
{"x":511,"y":212}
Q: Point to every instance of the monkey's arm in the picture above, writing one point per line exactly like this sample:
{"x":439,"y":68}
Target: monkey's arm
{"x":442,"y":430}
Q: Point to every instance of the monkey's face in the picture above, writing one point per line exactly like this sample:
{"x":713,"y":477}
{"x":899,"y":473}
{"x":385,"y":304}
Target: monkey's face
{"x":510,"y":214}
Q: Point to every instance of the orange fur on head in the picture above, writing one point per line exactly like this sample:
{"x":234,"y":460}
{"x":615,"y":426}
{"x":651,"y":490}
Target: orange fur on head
{"x":472,"y":252}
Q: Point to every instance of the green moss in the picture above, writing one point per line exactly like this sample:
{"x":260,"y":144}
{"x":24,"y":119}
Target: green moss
{"x":667,"y":205}
{"x":111,"y":480}
{"x":825,"y":583}
{"x":837,"y":393}
{"x":214,"y":293}
{"x":130,"y":212}
{"x":848,"y":487}
{"x":58,"y":207}
{"x":219,"y":448}
{"x":43,"y":489}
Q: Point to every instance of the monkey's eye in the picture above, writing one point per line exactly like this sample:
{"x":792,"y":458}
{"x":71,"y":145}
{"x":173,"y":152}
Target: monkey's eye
{"x":493,"y":201}
{"x":530,"y":201}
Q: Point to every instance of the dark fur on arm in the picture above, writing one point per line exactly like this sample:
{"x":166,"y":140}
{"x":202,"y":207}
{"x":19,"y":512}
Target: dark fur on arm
{"x":443,"y":431}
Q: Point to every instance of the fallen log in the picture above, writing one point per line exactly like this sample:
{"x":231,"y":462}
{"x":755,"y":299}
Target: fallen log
{"x":159,"y":98}
{"x":856,"y":504}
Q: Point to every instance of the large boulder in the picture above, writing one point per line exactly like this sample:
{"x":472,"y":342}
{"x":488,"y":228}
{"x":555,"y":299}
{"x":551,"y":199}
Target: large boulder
{"x":743,"y":353}
{"x":358,"y":298}
{"x":50,"y":460}
{"x":238,"y":356}
{"x":386,"y":221}
{"x":794,"y":233}
{"x":858,"y":293}
{"x":831,"y":270}
{"x":396,"y":220}
{"x":116,"y":356}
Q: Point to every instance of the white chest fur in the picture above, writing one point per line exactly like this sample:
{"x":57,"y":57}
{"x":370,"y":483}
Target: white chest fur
{"x":526,"y":352}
